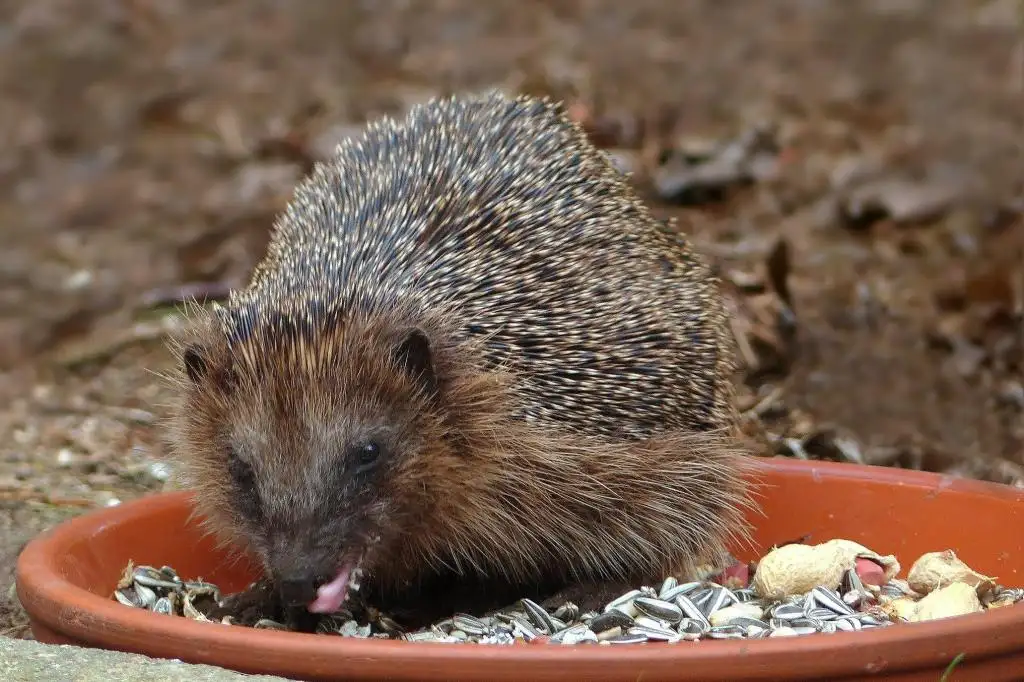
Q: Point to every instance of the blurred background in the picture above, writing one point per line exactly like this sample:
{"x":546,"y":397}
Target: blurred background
{"x":854,"y":169}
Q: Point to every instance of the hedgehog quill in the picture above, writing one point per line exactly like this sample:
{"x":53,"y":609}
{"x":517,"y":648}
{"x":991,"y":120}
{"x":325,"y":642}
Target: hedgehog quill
{"x":470,"y":356}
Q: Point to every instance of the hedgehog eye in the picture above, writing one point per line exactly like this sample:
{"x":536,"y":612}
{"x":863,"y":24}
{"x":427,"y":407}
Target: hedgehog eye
{"x":367,"y":453}
{"x":241,"y":472}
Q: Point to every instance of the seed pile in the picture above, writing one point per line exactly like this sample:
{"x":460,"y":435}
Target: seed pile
{"x":161,"y":590}
{"x":865,"y":596}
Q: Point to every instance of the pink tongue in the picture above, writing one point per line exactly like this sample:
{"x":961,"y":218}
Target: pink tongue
{"x":331,"y":596}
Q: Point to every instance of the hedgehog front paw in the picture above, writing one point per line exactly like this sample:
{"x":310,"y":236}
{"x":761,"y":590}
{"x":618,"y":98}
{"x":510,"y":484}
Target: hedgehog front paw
{"x":591,"y":596}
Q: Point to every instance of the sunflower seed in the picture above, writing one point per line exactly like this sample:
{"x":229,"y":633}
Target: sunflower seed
{"x":567,"y":612}
{"x":199,"y":588}
{"x":804,"y":623}
{"x":896,"y":588}
{"x":628,"y":638}
{"x":745,"y":594}
{"x":742,"y":622}
{"x":683,"y":589}
{"x":469,"y":624}
{"x":388,"y":625}
{"x":521,"y":628}
{"x":828,"y":627}
{"x":661,"y":610}
{"x":690,"y":609}
{"x":1010,"y":594}
{"x":654,"y":634}
{"x":647,"y":622}
{"x":421,"y":636}
{"x":539,"y":616}
{"x":669,"y":584}
{"x":190,"y":611}
{"x":854,"y":599}
{"x":820,"y":613}
{"x":169,"y":573}
{"x":729,"y":596}
{"x":738,"y":610}
{"x":152,"y":578}
{"x":577,"y":634}
{"x":701,"y":598}
{"x":847,"y":624}
{"x":147,"y":597}
{"x":784,"y":631}
{"x":719,"y":598}
{"x":610,"y":633}
{"x":129,"y":597}
{"x":805,"y":630}
{"x":501,"y":638}
{"x":829,"y":599}
{"x":851,"y":582}
{"x":787,"y":612}
{"x":351,"y":628}
{"x":693,"y":626}
{"x":624,"y":603}
{"x":609,"y":620}
{"x":726,"y":632}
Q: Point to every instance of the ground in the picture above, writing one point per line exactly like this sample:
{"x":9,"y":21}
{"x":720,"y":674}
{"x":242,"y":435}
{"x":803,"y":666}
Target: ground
{"x":148,"y":145}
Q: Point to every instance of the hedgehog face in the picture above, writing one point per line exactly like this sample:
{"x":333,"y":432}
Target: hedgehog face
{"x":313,"y":470}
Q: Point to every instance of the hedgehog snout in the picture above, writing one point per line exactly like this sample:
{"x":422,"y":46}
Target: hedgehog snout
{"x":299,"y":589}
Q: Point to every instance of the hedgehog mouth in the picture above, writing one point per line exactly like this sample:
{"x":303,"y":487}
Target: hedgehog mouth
{"x":331,"y":596}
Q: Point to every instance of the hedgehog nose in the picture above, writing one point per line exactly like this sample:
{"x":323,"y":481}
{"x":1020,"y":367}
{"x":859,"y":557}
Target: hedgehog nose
{"x":299,"y":590}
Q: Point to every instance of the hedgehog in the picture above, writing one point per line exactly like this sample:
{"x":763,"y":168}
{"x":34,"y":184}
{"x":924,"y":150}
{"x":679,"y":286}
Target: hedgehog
{"x":471,"y":356}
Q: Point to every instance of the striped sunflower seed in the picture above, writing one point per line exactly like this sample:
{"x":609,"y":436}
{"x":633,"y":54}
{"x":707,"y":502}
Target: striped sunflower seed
{"x":611,"y":619}
{"x":624,"y":603}
{"x":661,"y":610}
{"x":847,"y":624}
{"x":693,"y":626}
{"x":829,"y":599}
{"x":682,"y":589}
{"x":655,"y":634}
{"x":628,"y":638}
{"x":787,"y":612}
{"x":539,"y":616}
{"x":576,"y":634}
{"x":471,"y":625}
{"x":727,"y":632}
{"x":690,"y":610}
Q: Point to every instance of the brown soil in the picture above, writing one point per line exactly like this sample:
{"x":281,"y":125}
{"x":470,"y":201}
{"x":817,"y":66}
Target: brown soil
{"x":148,"y":145}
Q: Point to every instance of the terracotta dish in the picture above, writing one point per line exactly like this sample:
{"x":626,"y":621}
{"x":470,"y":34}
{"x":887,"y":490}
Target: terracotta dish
{"x":66,"y":576}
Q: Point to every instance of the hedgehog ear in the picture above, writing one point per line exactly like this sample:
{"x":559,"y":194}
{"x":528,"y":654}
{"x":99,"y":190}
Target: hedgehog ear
{"x":194,"y":362}
{"x":415,"y":355}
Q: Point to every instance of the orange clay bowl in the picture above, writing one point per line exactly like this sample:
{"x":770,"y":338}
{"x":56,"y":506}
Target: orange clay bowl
{"x":67,"y":575}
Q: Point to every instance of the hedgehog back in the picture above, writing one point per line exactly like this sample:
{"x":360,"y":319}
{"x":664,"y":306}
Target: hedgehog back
{"x":500,"y":212}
